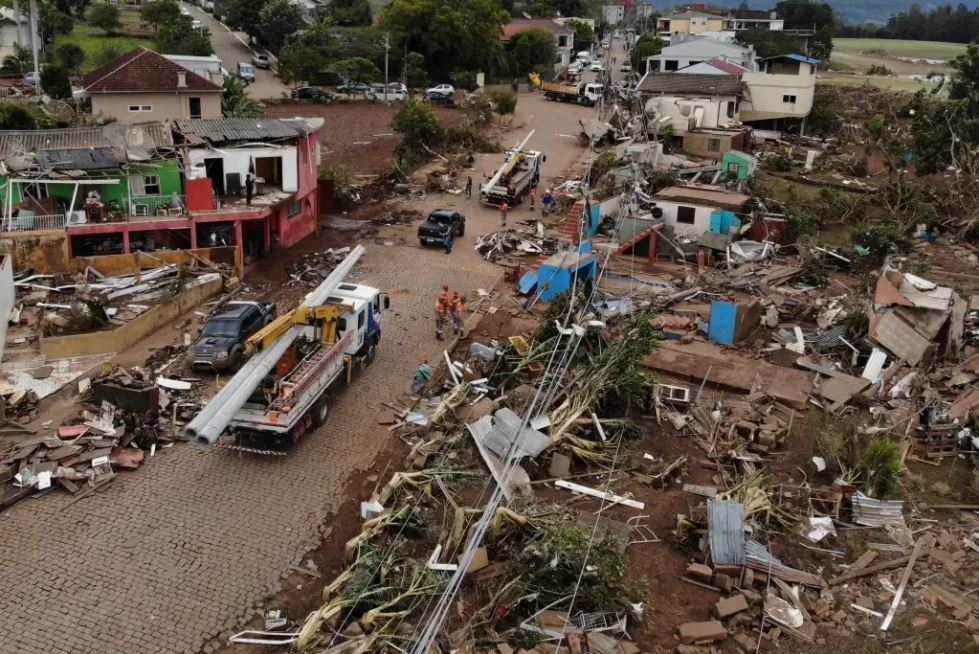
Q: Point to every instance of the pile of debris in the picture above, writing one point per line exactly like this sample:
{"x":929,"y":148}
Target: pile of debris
{"x":313,"y":267}
{"x":400,"y":217}
{"x":70,"y":304}
{"x":124,"y":413}
{"x":532,"y":240}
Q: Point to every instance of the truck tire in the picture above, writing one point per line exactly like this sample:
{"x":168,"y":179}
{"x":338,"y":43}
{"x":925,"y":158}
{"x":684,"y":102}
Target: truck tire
{"x":422,"y":242}
{"x":462,"y":230}
{"x":370,"y":353}
{"x":321,"y":410}
{"x":234,"y":359}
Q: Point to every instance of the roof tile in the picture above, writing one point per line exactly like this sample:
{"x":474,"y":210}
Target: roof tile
{"x":142,"y":70}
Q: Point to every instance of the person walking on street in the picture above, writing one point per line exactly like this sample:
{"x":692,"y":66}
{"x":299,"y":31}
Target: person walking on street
{"x":422,"y":375}
{"x":458,"y":313}
{"x":469,"y":186}
{"x":504,"y":208}
{"x":447,"y":237}
{"x":547,"y":200}
{"x":533,"y":198}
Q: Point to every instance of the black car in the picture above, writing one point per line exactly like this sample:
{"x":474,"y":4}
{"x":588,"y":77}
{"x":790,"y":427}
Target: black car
{"x":221,"y":345}
{"x":440,"y":98}
{"x":431,"y":231}
{"x":356,"y":88}
{"x":310,"y":93}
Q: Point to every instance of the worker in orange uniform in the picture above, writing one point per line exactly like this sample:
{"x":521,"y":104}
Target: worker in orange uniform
{"x":442,"y":310}
{"x":458,"y":313}
{"x":504,"y":208}
{"x":533,"y":198}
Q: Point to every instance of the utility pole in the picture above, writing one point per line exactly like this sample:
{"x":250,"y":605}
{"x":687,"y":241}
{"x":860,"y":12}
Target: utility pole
{"x":35,"y":43}
{"x":387,"y":51}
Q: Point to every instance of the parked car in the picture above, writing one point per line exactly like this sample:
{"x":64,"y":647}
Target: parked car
{"x":626,"y":67}
{"x":32,"y":78}
{"x":430,"y":232}
{"x":261,"y":61}
{"x":596,"y":67}
{"x":574,"y":68}
{"x":444,"y":89}
{"x":221,"y":345}
{"x":246,"y":70}
{"x":396,"y":92}
{"x":184,"y":11}
{"x":439,"y":98}
{"x":310,"y":93}
{"x":196,"y":24}
{"x":356,"y":88}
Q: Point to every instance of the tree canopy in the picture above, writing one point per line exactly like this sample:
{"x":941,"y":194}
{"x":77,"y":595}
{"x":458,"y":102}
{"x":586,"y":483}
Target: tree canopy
{"x":55,"y":82}
{"x":235,"y":102}
{"x":584,"y":35}
{"x":451,"y":34}
{"x":178,"y":36}
{"x":70,"y":55}
{"x":105,"y":17}
{"x":532,"y":50}
{"x":350,"y":12}
{"x":648,"y":45}
{"x":158,"y":12}
{"x":357,"y":69}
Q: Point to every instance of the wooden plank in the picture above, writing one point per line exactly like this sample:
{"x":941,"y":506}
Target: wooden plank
{"x":922,"y":544}
{"x":610,"y":497}
{"x":880,"y":567}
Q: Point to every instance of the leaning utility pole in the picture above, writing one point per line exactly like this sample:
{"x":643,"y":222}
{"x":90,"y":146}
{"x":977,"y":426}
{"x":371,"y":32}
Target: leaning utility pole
{"x":35,"y":43}
{"x":387,"y":51}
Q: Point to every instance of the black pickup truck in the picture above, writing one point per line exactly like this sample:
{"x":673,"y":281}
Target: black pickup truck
{"x":221,"y":344}
{"x":432,"y":230}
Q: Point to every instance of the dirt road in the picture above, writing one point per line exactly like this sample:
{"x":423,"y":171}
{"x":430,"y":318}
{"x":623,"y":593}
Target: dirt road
{"x":173,"y":556}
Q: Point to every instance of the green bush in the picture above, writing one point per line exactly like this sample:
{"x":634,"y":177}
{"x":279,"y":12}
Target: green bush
{"x":879,"y":241}
{"x":463,"y":79}
{"x":780,"y":163}
{"x":504,"y":102}
{"x":878,"y":466}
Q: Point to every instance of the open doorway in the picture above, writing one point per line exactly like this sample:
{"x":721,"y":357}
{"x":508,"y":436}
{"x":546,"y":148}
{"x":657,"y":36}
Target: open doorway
{"x":214,"y":169}
{"x":269,"y":169}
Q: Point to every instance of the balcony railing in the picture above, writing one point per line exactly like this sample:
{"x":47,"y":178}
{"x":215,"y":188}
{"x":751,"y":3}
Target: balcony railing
{"x":26,"y":223}
{"x":157,"y":205}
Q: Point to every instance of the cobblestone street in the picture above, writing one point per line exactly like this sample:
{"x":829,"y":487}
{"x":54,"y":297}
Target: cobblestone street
{"x":170,"y":557}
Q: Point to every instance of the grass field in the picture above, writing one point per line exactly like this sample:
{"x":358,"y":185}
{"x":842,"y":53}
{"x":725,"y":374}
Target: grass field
{"x":852,"y":57}
{"x":92,"y":40}
{"x":892,"y":83}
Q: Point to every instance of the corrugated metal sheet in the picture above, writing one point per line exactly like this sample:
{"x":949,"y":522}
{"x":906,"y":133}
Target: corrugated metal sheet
{"x":725,"y":524}
{"x":755,"y":551}
{"x":144,"y":135}
{"x":499,"y":431}
{"x":518,"y":481}
{"x":875,"y":364}
{"x":876,"y":513}
{"x":828,"y":339}
{"x":102,"y":158}
{"x":223,"y":130}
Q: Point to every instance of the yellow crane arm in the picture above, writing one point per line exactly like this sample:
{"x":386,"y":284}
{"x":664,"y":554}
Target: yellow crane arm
{"x":323,"y":316}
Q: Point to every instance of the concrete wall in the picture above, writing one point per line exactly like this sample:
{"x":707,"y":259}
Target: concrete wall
{"x":44,"y":251}
{"x":689,"y":112}
{"x":766,"y":94}
{"x":7,"y":296}
{"x":701,"y":217}
{"x":698,"y":144}
{"x":164,"y":105}
{"x":236,"y":160}
{"x":117,"y":340}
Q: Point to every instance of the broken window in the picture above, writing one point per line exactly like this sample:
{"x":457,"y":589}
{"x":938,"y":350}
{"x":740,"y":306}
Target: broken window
{"x":713,"y":145}
{"x":294,"y":208}
{"x":686,"y":215}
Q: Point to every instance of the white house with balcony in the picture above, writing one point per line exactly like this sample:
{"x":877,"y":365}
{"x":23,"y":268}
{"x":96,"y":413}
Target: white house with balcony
{"x":689,"y":102}
{"x":780,"y":92}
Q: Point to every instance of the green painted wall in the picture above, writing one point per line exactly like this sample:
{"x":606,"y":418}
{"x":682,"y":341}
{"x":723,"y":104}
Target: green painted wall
{"x":168,"y":172}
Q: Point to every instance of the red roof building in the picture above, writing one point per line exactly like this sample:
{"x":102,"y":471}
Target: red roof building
{"x":142,"y":86}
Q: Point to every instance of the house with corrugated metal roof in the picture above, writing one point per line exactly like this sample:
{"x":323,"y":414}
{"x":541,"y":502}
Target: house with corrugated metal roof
{"x":249,"y":185}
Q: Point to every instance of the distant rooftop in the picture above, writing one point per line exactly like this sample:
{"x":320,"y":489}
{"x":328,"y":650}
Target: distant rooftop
{"x":224,"y":130}
{"x":708,"y":196}
{"x":519,"y":25}
{"x":666,"y":83}
{"x":143,"y":71}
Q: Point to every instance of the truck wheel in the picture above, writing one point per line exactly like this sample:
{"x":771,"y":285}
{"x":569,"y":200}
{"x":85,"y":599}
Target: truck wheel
{"x":234,"y":360}
{"x":321,"y":410}
{"x":370,"y":354}
{"x":462,"y":230}
{"x":422,"y":242}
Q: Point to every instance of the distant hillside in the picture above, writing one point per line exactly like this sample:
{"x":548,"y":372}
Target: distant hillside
{"x":858,"y":11}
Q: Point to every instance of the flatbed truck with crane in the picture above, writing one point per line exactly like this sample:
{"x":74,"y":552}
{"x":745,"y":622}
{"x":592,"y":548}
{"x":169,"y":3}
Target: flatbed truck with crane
{"x":513,"y":180}
{"x":295,"y":364}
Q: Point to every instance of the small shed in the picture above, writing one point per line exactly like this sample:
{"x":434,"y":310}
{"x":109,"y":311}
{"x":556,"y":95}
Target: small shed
{"x":738,"y":165}
{"x":557,"y":274}
{"x":732,"y":322}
